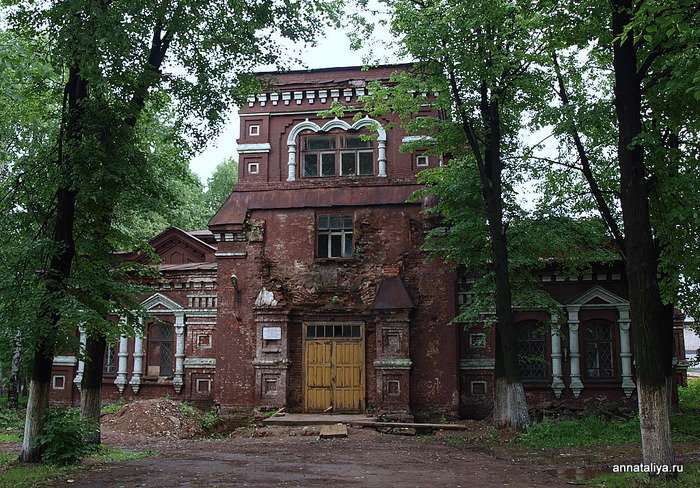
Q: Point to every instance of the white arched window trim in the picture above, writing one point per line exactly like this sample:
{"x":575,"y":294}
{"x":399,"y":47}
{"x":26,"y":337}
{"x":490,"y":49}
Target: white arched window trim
{"x":336,"y":123}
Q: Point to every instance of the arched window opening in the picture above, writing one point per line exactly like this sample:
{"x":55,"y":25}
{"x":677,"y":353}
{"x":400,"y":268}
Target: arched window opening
{"x":532,"y":346}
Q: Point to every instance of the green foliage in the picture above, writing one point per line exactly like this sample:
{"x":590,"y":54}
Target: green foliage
{"x":64,"y":439}
{"x":594,"y":431}
{"x":29,"y":476}
{"x":210,"y":420}
{"x":689,"y":396}
{"x":113,"y":407}
{"x":220,"y":183}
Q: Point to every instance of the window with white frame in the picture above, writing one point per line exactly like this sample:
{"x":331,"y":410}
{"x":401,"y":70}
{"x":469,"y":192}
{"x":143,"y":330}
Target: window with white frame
{"x":202,"y":386}
{"x":334,"y":234}
{"x":59,"y":382}
{"x":253,"y":168}
{"x":422,"y":160}
{"x":254,"y":130}
{"x":337,"y":154}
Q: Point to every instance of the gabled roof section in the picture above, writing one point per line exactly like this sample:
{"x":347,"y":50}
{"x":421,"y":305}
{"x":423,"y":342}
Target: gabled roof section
{"x":392,"y":295}
{"x":175,"y":246}
{"x":158,"y":301}
{"x":598,"y":295}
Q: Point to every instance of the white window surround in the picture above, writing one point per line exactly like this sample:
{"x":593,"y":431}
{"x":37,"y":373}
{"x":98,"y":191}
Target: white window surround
{"x":334,"y":124}
{"x":58,"y":382}
{"x":169,"y":306}
{"x":253,"y":168}
{"x":612,"y":301}
{"x":254,"y":130}
{"x":199,"y":382}
{"x":422,"y":160}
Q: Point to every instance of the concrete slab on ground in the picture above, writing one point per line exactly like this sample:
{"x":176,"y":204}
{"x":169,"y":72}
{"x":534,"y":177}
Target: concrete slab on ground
{"x":301,"y":419}
{"x":330,"y":431}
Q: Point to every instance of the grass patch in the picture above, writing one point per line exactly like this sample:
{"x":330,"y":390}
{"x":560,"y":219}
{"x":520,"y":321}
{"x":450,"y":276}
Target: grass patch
{"x":689,"y":396}
{"x":689,"y":477}
{"x":28,"y":475}
{"x":113,"y":407}
{"x":593,"y":431}
{"x":10,"y":437}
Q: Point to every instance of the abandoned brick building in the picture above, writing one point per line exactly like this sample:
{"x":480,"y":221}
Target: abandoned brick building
{"x":310,"y":289}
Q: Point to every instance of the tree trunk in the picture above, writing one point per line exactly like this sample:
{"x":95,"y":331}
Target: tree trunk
{"x":652,"y":334}
{"x":90,"y":402}
{"x":14,"y":383}
{"x":510,"y":406}
{"x":58,"y":269}
{"x":36,"y":406}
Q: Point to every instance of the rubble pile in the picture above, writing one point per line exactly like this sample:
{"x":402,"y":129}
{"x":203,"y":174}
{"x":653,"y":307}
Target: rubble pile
{"x":157,"y":418}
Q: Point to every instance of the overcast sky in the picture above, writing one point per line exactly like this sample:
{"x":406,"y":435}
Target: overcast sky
{"x":332,"y":50}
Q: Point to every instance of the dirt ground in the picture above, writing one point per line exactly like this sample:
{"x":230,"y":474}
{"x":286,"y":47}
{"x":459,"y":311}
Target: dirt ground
{"x":295,"y":457}
{"x":271,"y":457}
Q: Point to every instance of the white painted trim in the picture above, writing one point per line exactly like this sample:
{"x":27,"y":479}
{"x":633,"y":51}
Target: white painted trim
{"x":263,"y":147}
{"x":199,"y":363}
{"x":393,"y":364}
{"x":65,"y":361}
{"x":613,"y":301}
{"x":416,"y":139}
{"x":336,"y":123}
{"x":160,"y":299}
{"x":477,"y":363}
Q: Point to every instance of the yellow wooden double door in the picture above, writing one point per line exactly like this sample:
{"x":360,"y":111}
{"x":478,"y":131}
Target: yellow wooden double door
{"x":334,"y":375}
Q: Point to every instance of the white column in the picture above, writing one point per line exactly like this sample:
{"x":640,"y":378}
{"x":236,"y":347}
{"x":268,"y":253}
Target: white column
{"x":382,"y":157}
{"x":574,"y":355}
{"x":557,"y":377}
{"x":138,"y":359}
{"x":292,"y":162}
{"x":625,"y":351}
{"x":120,"y":380}
{"x":178,"y":380}
{"x":81,"y":363}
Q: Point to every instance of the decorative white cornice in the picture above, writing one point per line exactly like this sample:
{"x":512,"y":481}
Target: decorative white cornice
{"x":477,"y":363}
{"x":199,"y":363}
{"x":417,"y":139}
{"x":264,"y":147}
{"x":65,"y":361}
{"x":393,"y":363}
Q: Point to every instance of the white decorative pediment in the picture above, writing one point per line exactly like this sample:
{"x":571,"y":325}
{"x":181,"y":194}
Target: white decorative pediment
{"x":597,"y":294}
{"x":158,"y":301}
{"x":336,"y":123}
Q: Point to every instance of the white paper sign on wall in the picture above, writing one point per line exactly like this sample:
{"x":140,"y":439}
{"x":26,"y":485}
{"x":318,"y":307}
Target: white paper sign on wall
{"x":272,"y":333}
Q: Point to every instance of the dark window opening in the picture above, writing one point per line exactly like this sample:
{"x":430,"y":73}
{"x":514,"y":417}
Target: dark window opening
{"x":599,"y":349}
{"x":531,"y":344}
{"x":335,"y":236}
{"x":338,"y":154}
{"x":160,"y":350}
{"x":333,"y":331}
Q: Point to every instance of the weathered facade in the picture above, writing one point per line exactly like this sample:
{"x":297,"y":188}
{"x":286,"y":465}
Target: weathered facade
{"x":311,"y":290}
